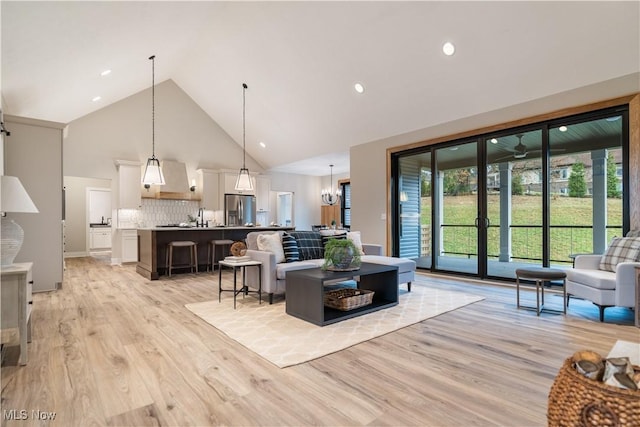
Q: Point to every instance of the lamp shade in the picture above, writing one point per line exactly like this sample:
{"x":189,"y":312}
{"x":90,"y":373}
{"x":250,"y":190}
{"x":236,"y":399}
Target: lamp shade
{"x":243,"y":182}
{"x":153,"y":173}
{"x":14,"y":197}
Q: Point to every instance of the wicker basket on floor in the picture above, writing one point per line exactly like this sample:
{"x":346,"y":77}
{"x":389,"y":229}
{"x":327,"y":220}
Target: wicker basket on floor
{"x":348,"y":298}
{"x":575,"y":400}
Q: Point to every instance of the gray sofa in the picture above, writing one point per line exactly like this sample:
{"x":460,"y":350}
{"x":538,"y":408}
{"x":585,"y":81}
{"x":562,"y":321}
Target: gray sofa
{"x":274,"y":274}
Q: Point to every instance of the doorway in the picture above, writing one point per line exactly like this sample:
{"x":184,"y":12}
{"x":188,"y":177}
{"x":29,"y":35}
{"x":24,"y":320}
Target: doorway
{"x":99,"y":231}
{"x":76,"y":213}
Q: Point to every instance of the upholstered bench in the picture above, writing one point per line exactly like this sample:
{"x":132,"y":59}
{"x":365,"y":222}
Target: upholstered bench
{"x":541,"y":275}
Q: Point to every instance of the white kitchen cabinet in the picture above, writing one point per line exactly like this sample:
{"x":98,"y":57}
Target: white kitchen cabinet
{"x":129,"y":184}
{"x":208,"y":189}
{"x":17,"y":302}
{"x":129,"y":245}
{"x":263,"y":191}
{"x":100,"y":238}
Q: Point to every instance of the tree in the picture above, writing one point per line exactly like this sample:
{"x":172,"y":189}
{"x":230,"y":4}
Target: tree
{"x":517,"y":188}
{"x":425,"y":186}
{"x":577,"y":183}
{"x":457,"y":181}
{"x":612,"y":179}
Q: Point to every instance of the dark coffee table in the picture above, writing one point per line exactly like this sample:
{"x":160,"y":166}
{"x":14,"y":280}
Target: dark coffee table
{"x":305,"y":292}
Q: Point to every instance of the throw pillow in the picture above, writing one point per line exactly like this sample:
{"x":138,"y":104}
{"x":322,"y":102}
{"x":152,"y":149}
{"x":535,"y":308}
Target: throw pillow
{"x":620,"y":250}
{"x":290,"y":246}
{"x":272,"y":243}
{"x":309,"y":244}
{"x":355,"y":237}
{"x":326,"y":238}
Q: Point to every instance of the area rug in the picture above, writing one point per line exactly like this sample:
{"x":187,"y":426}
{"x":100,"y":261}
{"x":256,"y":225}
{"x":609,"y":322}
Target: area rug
{"x":285,"y":340}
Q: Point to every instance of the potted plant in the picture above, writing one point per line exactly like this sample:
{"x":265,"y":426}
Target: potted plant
{"x":341,"y":255}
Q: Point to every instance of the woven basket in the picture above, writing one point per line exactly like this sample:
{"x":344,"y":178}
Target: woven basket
{"x":348,"y":298}
{"x":575,"y":400}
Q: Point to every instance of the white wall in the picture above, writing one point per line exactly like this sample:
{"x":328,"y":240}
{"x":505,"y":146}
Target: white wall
{"x":184,"y":132}
{"x":306,"y":197}
{"x":368,"y":169}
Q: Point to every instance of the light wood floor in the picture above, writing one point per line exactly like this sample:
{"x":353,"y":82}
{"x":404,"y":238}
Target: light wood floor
{"x":111,"y":348}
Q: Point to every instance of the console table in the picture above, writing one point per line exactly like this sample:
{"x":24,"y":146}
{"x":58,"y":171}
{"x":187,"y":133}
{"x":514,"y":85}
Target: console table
{"x":305,"y":292}
{"x":17,"y":283}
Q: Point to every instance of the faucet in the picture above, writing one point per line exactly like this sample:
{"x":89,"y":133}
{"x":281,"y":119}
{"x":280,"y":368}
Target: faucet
{"x":200,"y":223}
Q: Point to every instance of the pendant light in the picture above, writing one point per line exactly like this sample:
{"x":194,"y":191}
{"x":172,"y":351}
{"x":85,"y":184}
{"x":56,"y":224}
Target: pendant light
{"x":152,"y":172}
{"x":243,"y":182}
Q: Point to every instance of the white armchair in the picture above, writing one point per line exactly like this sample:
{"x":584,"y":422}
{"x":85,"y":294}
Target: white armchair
{"x":604,"y":288}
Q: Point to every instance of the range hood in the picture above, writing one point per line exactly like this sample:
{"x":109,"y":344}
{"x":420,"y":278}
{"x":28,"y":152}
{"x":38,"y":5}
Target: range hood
{"x":176,"y":185}
{"x":175,"y":177}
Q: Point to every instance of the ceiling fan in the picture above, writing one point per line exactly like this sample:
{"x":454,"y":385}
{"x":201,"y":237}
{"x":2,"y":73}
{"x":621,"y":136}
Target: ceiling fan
{"x":519,"y":151}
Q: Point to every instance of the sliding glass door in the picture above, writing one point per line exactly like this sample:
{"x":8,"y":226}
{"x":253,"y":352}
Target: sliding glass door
{"x":514,"y":202}
{"x":535,"y":195}
{"x":455,"y":204}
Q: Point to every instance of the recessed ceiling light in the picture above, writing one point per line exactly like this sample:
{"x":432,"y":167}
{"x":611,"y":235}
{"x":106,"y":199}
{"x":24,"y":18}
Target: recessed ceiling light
{"x":448,"y":48}
{"x":262,"y":144}
{"x":494,"y":141}
{"x":105,"y":73}
{"x":96,"y":98}
{"x":359,"y":87}
{"x":562,"y":128}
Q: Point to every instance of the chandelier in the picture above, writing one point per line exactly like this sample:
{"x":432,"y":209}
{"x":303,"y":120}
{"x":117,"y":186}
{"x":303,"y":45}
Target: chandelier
{"x":329,"y":197}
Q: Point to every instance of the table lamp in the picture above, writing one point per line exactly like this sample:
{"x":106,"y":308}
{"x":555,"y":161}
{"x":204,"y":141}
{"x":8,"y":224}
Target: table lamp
{"x":14,"y":199}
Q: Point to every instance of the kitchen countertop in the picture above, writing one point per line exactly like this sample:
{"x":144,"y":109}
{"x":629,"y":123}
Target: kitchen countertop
{"x":153,"y":241}
{"x":216,"y":228}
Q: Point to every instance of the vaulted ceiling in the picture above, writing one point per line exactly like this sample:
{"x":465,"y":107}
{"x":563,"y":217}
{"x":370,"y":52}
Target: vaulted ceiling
{"x":300,"y":61}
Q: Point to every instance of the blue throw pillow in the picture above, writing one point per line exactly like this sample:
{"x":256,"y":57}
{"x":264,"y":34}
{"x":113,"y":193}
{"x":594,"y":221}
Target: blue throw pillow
{"x":290,"y":246}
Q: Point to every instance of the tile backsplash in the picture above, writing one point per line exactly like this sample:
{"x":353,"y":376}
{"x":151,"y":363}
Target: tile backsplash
{"x":156,"y":212}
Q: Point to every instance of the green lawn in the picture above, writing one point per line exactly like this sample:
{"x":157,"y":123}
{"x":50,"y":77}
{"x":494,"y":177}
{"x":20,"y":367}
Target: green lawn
{"x":525,"y":210}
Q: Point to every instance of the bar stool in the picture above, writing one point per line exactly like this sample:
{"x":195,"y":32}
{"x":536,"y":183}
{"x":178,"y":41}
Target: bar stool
{"x":211,"y":251}
{"x":193,"y":254}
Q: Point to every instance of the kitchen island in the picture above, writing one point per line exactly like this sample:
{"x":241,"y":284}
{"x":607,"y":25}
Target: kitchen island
{"x":152,"y":245}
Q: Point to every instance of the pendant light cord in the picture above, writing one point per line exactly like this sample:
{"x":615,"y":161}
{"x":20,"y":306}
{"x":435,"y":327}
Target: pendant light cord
{"x":153,"y":107}
{"x":331,"y":182}
{"x":244,"y":144}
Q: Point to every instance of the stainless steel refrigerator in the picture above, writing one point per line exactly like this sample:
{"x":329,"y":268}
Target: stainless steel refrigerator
{"x":239,"y":209}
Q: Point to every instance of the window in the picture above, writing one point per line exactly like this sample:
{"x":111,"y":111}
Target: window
{"x":345,"y":204}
